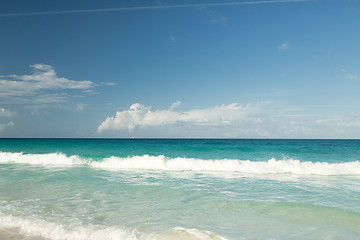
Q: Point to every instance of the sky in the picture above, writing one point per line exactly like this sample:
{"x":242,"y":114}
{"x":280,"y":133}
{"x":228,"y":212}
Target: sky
{"x":180,"y":69}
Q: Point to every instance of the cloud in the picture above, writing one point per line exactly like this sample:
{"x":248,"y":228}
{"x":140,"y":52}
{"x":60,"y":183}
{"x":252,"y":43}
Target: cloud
{"x":158,"y":7}
{"x":80,"y":107}
{"x":284,"y":46}
{"x":349,"y":76}
{"x":258,"y":120}
{"x":141,"y":116}
{"x":107,"y":84}
{"x":340,"y":121}
{"x":174,"y":105}
{"x":6,"y":125}
{"x":38,"y":85}
{"x":6,"y":113}
{"x":220,"y":20}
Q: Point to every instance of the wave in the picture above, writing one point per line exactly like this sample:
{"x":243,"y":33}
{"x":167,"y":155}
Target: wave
{"x":22,"y":228}
{"x":162,"y":163}
{"x":40,"y":159}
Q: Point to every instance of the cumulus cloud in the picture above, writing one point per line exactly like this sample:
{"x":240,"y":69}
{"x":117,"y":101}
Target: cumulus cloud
{"x":6,"y":125}
{"x":141,"y":116}
{"x":43,"y":79}
{"x":258,"y":120}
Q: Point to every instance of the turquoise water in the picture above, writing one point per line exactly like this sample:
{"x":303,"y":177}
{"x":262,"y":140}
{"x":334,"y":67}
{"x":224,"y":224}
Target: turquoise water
{"x":179,"y":189}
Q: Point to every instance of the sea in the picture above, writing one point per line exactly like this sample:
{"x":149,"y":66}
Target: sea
{"x":181,"y":189}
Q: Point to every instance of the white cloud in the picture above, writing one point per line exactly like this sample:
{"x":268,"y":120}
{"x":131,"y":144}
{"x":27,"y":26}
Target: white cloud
{"x":6,"y":125}
{"x":340,"y":121}
{"x":284,"y":46}
{"x":43,"y":79}
{"x":6,"y":113}
{"x":174,"y":105}
{"x":50,"y":98}
{"x":140,"y":116}
{"x":107,"y":84}
{"x":259,"y":120}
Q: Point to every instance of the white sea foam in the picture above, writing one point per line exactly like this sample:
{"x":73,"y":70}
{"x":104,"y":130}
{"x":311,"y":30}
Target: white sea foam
{"x":40,"y":159}
{"x":49,"y":230}
{"x":40,"y":228}
{"x":272,"y":166}
{"x":162,"y":163}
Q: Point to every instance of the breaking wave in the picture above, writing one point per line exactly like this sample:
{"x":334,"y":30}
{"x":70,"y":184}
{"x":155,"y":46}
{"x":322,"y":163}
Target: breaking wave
{"x":162,"y":163}
{"x":22,"y":228}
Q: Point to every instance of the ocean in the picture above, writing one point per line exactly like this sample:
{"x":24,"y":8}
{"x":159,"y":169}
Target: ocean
{"x":159,"y":189}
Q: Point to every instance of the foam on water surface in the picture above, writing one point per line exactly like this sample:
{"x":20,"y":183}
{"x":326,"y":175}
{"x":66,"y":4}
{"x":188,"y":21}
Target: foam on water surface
{"x":179,"y":189}
{"x":162,"y":163}
{"x":20,"y":228}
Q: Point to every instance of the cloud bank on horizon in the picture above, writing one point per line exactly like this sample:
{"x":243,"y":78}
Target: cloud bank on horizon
{"x":140,"y":116}
{"x":259,"y":120}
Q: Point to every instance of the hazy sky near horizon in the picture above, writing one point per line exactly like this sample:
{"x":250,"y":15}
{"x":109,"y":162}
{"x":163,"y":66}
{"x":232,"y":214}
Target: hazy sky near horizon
{"x":169,"y":68}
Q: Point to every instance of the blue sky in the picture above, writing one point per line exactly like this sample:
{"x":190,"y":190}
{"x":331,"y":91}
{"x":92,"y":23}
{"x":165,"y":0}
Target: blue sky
{"x":206,"y":68}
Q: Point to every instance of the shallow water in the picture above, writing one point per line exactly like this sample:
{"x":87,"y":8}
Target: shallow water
{"x":179,"y":189}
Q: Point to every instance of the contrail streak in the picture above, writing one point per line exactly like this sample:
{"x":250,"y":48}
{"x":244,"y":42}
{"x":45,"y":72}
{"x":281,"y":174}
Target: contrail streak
{"x":148,"y":8}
